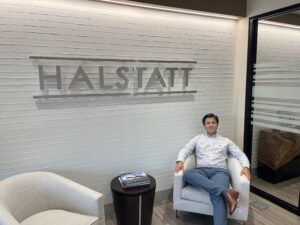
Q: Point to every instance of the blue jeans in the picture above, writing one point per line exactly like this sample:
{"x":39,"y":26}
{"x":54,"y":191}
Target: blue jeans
{"x":216,"y":182}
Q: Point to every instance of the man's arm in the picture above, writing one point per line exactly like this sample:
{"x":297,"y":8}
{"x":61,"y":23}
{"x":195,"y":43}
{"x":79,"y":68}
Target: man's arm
{"x":237,"y":153}
{"x":185,"y":152}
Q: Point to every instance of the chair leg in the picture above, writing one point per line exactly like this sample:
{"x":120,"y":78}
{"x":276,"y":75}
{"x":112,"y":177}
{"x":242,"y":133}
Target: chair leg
{"x":176,"y":213}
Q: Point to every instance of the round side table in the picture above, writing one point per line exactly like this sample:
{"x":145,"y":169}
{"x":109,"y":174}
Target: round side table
{"x":133,"y":206}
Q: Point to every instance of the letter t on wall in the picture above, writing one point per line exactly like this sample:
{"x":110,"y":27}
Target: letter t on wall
{"x":186,"y":76}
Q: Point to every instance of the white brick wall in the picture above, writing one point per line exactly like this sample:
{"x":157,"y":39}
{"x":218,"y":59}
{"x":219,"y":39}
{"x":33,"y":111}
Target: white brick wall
{"x":91,"y":140}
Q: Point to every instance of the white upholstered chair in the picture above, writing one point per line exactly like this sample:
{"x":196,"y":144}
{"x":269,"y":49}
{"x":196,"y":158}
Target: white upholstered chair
{"x":190,"y":199}
{"x":44,"y":198}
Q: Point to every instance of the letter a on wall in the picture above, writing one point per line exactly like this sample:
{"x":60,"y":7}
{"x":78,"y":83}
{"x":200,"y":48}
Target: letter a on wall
{"x":156,"y":76}
{"x":84,"y":77}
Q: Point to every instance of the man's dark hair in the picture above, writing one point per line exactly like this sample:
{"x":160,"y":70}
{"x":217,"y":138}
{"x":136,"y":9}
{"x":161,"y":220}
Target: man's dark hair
{"x":210,"y":115}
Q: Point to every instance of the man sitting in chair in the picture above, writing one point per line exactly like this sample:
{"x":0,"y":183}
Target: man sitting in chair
{"x":211,"y":174}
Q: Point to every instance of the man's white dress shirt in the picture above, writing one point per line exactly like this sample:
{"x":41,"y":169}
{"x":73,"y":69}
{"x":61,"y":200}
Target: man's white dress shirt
{"x":212,"y":151}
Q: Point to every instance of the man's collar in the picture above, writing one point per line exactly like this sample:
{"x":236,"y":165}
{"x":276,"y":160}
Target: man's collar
{"x":211,"y":135}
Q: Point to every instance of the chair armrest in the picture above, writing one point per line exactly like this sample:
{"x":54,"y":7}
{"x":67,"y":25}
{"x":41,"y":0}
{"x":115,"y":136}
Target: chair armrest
{"x":238,"y":182}
{"x":190,"y":162}
{"x":75,"y":197}
{"x":178,"y":185}
{"x":6,"y":218}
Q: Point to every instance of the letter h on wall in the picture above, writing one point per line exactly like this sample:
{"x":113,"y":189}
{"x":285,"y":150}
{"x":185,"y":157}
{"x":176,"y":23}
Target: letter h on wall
{"x":42,"y":77}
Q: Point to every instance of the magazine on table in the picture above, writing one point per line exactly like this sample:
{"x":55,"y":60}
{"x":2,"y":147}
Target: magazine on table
{"x":134,"y":179}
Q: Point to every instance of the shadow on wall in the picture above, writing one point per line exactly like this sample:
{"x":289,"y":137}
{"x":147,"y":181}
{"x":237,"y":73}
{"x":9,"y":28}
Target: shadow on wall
{"x":120,"y":100}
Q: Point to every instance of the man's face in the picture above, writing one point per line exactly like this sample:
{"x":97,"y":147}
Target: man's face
{"x":211,"y":125}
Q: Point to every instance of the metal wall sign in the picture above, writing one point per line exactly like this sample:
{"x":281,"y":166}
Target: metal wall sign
{"x":97,"y":80}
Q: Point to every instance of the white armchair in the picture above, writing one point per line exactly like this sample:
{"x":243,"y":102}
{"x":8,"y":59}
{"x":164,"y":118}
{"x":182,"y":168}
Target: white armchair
{"x":190,"y":199}
{"x":44,"y":198}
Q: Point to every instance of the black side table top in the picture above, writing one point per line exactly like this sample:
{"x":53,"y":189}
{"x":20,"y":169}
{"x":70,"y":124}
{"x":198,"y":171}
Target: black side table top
{"x":116,"y":187}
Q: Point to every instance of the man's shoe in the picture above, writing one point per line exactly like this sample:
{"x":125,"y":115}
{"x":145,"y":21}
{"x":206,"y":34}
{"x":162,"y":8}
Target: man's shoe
{"x":231,"y":197}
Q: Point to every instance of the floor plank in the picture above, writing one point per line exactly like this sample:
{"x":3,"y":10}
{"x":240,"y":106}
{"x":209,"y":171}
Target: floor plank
{"x":164,"y":214}
{"x":287,"y":190}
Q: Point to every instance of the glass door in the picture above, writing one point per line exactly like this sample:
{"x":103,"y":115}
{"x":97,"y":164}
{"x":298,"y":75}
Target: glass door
{"x":272,"y":130}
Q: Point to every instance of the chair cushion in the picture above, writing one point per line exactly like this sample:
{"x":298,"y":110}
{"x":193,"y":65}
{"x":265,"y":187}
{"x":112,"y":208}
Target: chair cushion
{"x":59,"y":217}
{"x":195,"y":194}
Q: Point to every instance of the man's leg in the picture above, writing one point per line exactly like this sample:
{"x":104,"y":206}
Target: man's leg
{"x":220,"y":177}
{"x":199,"y":178}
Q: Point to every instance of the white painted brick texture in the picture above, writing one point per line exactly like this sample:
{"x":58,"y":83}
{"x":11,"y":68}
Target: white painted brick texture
{"x":91,"y":140}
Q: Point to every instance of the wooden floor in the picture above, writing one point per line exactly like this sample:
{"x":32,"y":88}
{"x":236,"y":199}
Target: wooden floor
{"x":287,"y":190}
{"x":164,"y":214}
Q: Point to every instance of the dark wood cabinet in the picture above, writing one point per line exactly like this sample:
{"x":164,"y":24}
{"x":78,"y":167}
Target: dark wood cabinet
{"x":278,"y":155}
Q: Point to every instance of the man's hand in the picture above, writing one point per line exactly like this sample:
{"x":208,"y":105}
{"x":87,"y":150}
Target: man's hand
{"x":179,"y":166}
{"x":245,"y":171}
